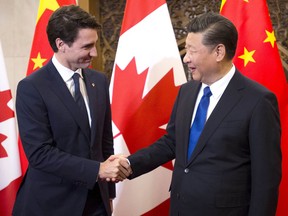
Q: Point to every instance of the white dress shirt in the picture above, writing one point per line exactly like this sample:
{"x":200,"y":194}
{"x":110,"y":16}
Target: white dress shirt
{"x":217,"y":90}
{"x":66,"y":75}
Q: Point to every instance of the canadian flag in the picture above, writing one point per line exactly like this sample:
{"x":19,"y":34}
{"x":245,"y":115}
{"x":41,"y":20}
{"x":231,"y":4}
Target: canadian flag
{"x":10,"y":168}
{"x":147,"y":74}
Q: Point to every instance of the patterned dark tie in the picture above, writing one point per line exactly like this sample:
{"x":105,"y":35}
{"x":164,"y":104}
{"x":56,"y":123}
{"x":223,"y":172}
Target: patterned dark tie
{"x":199,"y":121}
{"x":78,"y":96}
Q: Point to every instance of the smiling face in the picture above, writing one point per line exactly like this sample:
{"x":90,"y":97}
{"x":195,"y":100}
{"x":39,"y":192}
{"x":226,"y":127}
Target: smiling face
{"x":200,"y":59}
{"x":80,"y":53}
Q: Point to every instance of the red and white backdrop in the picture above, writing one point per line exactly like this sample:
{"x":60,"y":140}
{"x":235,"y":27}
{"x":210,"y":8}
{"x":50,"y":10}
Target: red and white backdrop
{"x":257,"y":57}
{"x":10,"y":168}
{"x":146,"y":77}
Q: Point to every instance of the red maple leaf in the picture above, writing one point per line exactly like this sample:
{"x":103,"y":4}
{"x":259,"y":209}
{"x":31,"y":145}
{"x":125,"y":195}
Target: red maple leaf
{"x":3,"y":152}
{"x":6,"y":112}
{"x":139,"y":119}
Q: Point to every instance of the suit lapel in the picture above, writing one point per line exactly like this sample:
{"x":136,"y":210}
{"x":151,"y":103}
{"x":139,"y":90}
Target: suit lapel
{"x":58,"y":86}
{"x":190,"y":99}
{"x":229,"y":99}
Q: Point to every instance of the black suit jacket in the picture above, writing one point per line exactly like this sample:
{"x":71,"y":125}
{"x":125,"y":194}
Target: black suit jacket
{"x":64,"y":154}
{"x":235,"y":168}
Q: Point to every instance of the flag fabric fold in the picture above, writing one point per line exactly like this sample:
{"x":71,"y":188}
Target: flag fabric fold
{"x":10,"y":168}
{"x":257,"y":57}
{"x":146,"y":77}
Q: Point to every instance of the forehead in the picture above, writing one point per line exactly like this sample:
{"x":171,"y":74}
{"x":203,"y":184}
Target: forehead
{"x":194,"y":40}
{"x":86,"y":34}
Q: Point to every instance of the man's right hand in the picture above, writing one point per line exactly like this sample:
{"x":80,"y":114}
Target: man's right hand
{"x":115,"y":169}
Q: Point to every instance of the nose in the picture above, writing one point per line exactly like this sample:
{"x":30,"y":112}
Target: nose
{"x":186,"y":58}
{"x":93,"y":52}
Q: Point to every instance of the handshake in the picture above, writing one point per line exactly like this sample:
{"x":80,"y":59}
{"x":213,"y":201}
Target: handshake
{"x":116,"y":168}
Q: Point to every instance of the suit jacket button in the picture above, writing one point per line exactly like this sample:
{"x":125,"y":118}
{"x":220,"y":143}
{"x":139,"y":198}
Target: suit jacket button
{"x":186,"y":170}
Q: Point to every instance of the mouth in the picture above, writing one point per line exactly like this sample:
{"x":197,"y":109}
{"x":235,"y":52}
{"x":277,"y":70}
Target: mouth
{"x":88,"y":60}
{"x":191,"y":69}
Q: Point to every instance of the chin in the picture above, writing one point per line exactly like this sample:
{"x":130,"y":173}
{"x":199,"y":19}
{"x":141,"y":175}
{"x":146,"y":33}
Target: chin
{"x":195,"y":77}
{"x":85,"y":65}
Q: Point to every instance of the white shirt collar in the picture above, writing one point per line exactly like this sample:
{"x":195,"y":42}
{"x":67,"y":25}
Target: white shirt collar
{"x":220,"y":85}
{"x":65,"y":72}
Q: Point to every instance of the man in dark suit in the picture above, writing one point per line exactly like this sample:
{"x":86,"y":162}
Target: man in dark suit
{"x":67,"y":145}
{"x":235,"y":167}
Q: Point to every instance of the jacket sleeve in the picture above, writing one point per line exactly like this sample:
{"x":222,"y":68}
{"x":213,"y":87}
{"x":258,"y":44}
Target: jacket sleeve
{"x":264,"y":139}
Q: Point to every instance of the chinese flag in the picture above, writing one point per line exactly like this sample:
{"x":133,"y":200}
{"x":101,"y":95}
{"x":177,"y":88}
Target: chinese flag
{"x":10,"y":169}
{"x":41,"y":52}
{"x":145,"y":81}
{"x":257,"y":57}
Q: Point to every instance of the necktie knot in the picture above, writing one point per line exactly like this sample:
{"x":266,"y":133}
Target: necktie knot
{"x":75,"y":78}
{"x":207,"y":92}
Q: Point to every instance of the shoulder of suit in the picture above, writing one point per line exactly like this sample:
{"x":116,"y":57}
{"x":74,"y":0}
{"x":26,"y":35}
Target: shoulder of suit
{"x":40,"y":72}
{"x":191,"y":84}
{"x":252,"y":85}
{"x":94,"y":73}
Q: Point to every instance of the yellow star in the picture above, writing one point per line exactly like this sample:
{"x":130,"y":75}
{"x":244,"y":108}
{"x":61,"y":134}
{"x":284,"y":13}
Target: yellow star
{"x":38,"y":62}
{"x":246,"y":1}
{"x":270,"y":38}
{"x":247,"y":56}
{"x":222,"y":4}
{"x":46,"y":4}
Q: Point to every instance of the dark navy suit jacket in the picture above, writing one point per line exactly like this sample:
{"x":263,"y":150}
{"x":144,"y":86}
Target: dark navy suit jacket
{"x":235,"y":168}
{"x":64,"y":154}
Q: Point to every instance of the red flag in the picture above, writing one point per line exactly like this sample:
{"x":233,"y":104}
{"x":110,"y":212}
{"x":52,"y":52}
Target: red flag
{"x":10,"y":169}
{"x":41,"y":51}
{"x":257,"y":57}
{"x":145,"y":81}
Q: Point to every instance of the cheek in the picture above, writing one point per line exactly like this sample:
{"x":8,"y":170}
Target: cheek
{"x":86,"y":54}
{"x":202,"y":61}
{"x":73,"y":56}
{"x":82,"y":55}
{"x":196,"y":60}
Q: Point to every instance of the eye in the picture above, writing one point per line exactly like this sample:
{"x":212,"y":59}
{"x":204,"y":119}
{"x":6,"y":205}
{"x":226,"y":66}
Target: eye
{"x":190,"y":50}
{"x":88,"y":46}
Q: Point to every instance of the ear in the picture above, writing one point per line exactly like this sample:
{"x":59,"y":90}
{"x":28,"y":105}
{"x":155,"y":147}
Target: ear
{"x":220,"y":52}
{"x":60,"y":44}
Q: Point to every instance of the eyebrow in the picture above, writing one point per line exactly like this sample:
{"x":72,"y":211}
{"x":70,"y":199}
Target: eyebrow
{"x":189,"y":47}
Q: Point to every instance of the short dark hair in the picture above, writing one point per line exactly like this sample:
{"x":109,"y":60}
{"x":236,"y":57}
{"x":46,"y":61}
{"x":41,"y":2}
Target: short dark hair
{"x":216,"y":30}
{"x":66,"y":22}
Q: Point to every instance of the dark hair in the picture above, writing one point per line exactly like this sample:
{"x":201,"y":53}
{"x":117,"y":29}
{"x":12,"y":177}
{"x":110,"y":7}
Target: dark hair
{"x":216,"y":30}
{"x":66,"y":22}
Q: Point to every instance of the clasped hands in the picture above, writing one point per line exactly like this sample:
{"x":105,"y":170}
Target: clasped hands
{"x":116,"y":168}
